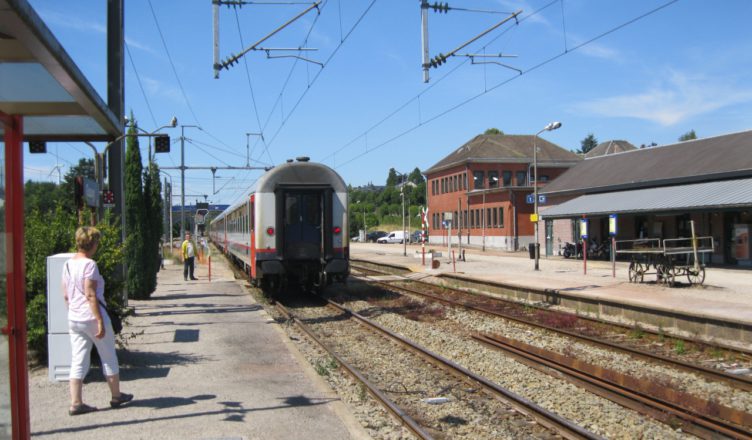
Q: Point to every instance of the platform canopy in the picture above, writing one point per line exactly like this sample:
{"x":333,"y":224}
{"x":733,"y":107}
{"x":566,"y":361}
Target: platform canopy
{"x":724,"y":194}
{"x":39,"y":81}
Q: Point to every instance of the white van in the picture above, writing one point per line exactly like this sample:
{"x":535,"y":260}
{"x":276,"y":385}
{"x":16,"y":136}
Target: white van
{"x":393,"y":237}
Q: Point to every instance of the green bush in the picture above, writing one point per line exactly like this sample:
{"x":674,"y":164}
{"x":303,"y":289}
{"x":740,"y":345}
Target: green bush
{"x":53,"y":233}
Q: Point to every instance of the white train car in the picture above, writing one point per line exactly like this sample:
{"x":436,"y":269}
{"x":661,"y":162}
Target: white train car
{"x":292,"y":229}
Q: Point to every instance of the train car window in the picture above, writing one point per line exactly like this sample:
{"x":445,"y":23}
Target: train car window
{"x":292,"y":210}
{"x":253,"y":217}
{"x":312,"y":209}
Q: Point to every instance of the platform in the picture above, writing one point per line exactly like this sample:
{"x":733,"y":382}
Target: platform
{"x":204,"y":362}
{"x":720,"y":310}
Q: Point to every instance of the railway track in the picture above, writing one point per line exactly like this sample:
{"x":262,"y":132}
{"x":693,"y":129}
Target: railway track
{"x":702,"y":417}
{"x":464,"y":403}
{"x":693,"y":415}
{"x":496,"y":307}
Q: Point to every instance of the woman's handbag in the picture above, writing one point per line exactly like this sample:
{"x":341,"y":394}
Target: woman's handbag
{"x":115,"y":320}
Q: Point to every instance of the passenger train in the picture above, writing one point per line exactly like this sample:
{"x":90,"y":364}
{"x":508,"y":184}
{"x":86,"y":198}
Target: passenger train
{"x":292,"y":229}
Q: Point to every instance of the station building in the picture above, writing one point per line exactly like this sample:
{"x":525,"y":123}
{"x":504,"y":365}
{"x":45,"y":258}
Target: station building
{"x":480,"y":189}
{"x":655,"y":192}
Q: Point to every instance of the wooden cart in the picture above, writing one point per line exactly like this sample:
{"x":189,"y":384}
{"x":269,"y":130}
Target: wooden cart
{"x":668,"y":259}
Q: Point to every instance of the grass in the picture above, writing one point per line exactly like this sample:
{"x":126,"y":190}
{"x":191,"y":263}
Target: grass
{"x":323,"y":368}
{"x":679,"y":347}
{"x":637,"y":332}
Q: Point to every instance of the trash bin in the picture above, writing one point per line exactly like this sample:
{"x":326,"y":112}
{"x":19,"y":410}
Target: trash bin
{"x":531,"y":249}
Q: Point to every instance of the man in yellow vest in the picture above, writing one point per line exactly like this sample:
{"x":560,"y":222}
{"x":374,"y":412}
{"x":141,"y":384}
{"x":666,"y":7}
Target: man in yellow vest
{"x":188,"y":253}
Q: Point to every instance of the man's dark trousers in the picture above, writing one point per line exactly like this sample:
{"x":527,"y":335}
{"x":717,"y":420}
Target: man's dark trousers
{"x":188,"y":268}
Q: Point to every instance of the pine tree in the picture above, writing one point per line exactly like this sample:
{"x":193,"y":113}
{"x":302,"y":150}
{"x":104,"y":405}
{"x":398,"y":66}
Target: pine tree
{"x":588,"y":143}
{"x":156,"y":228}
{"x":134,"y":218}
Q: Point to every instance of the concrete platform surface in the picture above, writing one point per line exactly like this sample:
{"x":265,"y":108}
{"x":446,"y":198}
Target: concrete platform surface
{"x":204,"y":362}
{"x":726,"y":294}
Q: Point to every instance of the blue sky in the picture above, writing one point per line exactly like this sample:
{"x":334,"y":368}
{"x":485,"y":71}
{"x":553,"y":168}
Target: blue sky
{"x":685,"y":66}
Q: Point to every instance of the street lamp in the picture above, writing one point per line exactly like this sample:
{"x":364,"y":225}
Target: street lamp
{"x":99,"y":157}
{"x":549,"y":127}
{"x":182,"y":177}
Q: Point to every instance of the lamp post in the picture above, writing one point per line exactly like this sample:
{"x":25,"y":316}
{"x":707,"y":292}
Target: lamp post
{"x":99,"y":157}
{"x":182,"y":177}
{"x":549,"y":127}
{"x":169,"y":201}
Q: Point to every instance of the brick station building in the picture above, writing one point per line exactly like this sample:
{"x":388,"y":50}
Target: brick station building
{"x":483,"y":185}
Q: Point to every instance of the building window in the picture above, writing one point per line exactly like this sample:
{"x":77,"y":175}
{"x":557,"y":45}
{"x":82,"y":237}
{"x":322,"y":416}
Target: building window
{"x":477,"y":219}
{"x":488,"y":217}
{"x":493,"y":179}
{"x":454,"y":183}
{"x":501,"y":217}
{"x":543,"y":178}
{"x":478,"y":179}
{"x":507,"y":176}
{"x":521,"y":178}
{"x":495,"y":218}
{"x":464,"y":181}
{"x":464,"y":218}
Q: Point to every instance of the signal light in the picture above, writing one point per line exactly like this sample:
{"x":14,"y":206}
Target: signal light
{"x":337,"y":229}
{"x":36,"y":147}
{"x":270,"y":231}
{"x":162,"y":144}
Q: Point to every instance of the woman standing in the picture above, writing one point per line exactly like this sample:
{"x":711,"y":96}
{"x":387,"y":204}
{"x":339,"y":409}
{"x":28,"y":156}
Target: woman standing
{"x":88,"y":322}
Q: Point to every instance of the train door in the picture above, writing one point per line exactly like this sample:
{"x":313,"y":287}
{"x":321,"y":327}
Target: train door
{"x":303,"y":225}
{"x":252,"y":231}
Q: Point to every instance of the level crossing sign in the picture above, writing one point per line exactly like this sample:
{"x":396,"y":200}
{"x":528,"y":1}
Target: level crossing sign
{"x":108,"y":197}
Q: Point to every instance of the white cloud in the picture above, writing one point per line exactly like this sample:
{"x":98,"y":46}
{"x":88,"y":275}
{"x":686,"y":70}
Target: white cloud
{"x":594,"y":49}
{"x":527,"y":10}
{"x":75,"y":23}
{"x":679,"y":98}
{"x":158,"y":88}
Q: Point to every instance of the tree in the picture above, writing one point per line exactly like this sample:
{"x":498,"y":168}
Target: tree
{"x":392,"y":179}
{"x":588,"y":143}
{"x":688,"y":136}
{"x":493,"y":131}
{"x":416,"y":176}
{"x":154,"y":207}
{"x":84,"y":168}
{"x":136,"y":281}
{"x":43,"y":197}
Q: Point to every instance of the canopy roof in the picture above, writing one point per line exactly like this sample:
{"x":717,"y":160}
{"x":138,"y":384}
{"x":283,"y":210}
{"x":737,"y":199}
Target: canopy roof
{"x":39,"y":81}
{"x":723,"y":194}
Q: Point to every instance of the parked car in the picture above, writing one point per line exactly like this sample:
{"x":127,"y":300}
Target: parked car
{"x":375,"y":235}
{"x":417,"y":237}
{"x":393,"y":237}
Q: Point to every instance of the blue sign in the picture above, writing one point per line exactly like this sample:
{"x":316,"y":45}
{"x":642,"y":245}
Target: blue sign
{"x":583,"y":228}
{"x":612,"y":225}
{"x":530,"y":198}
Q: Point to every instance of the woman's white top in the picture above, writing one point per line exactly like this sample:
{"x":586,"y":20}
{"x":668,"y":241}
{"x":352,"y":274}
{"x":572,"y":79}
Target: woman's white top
{"x":75,"y":272}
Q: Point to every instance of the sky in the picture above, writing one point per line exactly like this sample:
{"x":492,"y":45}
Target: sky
{"x":644,"y":71}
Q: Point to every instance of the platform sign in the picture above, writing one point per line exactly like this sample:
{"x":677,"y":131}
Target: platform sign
{"x":612,"y":225}
{"x":533,"y":217}
{"x":530,"y":199}
{"x":583,"y":228}
{"x":541,"y":199}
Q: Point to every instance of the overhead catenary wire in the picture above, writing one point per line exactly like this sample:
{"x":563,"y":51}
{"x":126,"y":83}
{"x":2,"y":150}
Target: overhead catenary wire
{"x":172,"y":65}
{"x":140,"y":85}
{"x":250,"y":86}
{"x":504,"y":82}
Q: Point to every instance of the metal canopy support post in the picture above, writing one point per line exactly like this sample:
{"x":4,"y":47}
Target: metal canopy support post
{"x":16,"y":276}
{"x":424,"y":29}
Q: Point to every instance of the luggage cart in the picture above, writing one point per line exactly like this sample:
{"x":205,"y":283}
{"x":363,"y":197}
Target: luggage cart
{"x":669,"y":258}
